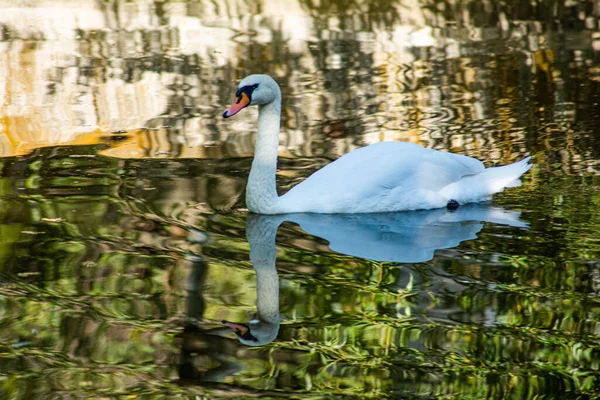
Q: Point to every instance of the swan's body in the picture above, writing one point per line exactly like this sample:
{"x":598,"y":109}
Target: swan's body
{"x":382,"y":177}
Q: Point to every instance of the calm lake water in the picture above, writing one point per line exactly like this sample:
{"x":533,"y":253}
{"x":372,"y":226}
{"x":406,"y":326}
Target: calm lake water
{"x":125,"y":242}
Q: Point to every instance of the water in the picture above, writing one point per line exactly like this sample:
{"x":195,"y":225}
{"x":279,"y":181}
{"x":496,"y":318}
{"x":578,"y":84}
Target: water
{"x":124,"y":239}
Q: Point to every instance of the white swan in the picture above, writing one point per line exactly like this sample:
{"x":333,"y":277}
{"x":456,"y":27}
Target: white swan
{"x":382,"y":177}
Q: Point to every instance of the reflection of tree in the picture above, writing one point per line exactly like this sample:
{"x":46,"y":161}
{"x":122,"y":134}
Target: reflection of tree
{"x":489,"y":75}
{"x":558,"y":14}
{"x":92,"y":249}
{"x":96,"y":268}
{"x":371,"y":12}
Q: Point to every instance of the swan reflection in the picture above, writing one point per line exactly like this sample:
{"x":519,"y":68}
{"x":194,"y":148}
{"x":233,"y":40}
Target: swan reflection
{"x":260,"y":232}
{"x":404,"y":237}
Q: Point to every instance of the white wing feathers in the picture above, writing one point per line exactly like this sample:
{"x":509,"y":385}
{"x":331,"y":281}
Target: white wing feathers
{"x":380,"y":173}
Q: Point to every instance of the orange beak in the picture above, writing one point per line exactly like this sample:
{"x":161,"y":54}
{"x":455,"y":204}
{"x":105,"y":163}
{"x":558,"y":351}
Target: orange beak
{"x":242,"y":101}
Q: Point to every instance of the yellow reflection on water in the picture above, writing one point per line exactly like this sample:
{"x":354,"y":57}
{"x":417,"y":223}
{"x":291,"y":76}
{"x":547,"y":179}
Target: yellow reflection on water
{"x":79,"y":73}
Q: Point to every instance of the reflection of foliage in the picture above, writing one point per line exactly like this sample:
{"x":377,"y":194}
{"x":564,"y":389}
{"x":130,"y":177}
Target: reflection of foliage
{"x":96,"y":278}
{"x":488,"y":13}
{"x":376,"y":12}
{"x":95,"y":252}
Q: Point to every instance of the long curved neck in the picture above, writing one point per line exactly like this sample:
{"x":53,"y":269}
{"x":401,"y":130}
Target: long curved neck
{"x":261,"y":190}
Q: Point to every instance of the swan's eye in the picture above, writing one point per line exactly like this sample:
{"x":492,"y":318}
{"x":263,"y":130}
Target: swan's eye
{"x":246,"y":89}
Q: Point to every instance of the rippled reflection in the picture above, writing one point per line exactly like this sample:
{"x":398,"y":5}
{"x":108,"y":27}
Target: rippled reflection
{"x":120,"y":272}
{"x":408,"y":237}
{"x":491,"y":80}
{"x":122,"y":225}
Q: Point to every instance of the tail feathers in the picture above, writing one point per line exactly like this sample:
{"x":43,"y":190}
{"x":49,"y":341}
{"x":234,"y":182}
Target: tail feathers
{"x":513,"y":184}
{"x":482,"y":186}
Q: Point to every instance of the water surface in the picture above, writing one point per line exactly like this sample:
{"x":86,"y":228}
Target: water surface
{"x":125,"y":242}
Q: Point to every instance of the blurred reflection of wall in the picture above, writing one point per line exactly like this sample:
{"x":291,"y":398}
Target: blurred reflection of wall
{"x":464,"y":76}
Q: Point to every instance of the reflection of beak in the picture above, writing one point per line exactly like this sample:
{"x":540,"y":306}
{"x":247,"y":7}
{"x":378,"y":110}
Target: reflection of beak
{"x":241,"y":329}
{"x":242,"y":101}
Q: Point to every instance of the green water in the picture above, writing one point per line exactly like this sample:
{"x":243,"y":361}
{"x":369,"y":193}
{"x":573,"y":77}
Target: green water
{"x":121,"y":256}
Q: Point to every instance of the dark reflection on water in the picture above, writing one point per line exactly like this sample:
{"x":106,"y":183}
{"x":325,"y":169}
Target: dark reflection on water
{"x":124,"y":242}
{"x":109,"y":280}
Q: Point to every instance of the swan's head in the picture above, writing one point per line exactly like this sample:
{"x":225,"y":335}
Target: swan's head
{"x":255,"y":333}
{"x":253,"y":90}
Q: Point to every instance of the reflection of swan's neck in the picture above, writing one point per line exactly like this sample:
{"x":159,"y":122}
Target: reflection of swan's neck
{"x":261,"y":232}
{"x":261,"y":191}
{"x":267,"y":294}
